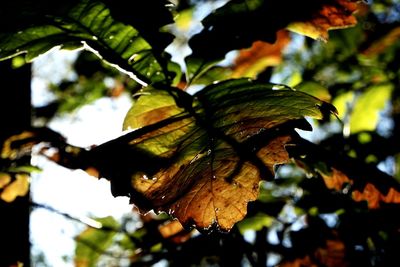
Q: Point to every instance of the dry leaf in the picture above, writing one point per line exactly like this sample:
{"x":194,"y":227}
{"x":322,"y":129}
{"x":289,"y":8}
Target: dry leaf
{"x":259,"y":56}
{"x":337,"y":180}
{"x":333,"y":15}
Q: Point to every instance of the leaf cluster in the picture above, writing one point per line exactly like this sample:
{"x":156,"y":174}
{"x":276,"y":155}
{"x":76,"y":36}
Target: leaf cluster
{"x":212,"y":159}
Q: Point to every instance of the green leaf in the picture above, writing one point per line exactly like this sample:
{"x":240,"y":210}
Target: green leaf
{"x":87,"y":24}
{"x":365,"y":114}
{"x":255,"y":223}
{"x":315,"y":89}
{"x":342,"y":102}
{"x":151,"y":107}
{"x":202,"y":163}
{"x":92,"y":243}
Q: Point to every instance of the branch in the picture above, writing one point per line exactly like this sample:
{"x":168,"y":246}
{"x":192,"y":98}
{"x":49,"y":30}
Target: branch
{"x":91,"y":223}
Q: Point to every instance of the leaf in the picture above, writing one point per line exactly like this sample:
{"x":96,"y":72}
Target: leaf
{"x":315,"y":89}
{"x":17,"y":188}
{"x":336,"y":14}
{"x":239,"y":23}
{"x":174,"y":231}
{"x":255,"y":223}
{"x":342,"y":103}
{"x":9,"y":149}
{"x":144,"y":112}
{"x":365,"y":114}
{"x":149,"y":18}
{"x":203,"y":164}
{"x":92,"y":243}
{"x":336,"y":180}
{"x":369,"y":193}
{"x":383,"y":43}
{"x":87,"y":24}
{"x":260,"y":55}
{"x":374,"y":197}
{"x":331,"y":255}
{"x":5,"y":179}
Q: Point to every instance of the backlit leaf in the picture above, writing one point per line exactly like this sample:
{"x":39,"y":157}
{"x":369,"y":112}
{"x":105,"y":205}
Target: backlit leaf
{"x":144,"y":112}
{"x":336,"y":180}
{"x":239,"y":23}
{"x":257,"y":222}
{"x":17,"y":188}
{"x":374,"y":197}
{"x":92,"y":243}
{"x":315,"y":89}
{"x":336,"y":14}
{"x":260,"y":55}
{"x":332,"y":254}
{"x":202,"y":164}
{"x":174,"y":231}
{"x":5,"y":179}
{"x":365,"y":114}
{"x":369,"y":193}
{"x":87,"y":24}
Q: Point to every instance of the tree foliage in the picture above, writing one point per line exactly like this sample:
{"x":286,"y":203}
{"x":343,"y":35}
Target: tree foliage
{"x":229,"y":160}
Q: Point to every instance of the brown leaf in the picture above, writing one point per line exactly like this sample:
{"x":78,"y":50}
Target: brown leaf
{"x":206,"y":198}
{"x":260,"y":55}
{"x":374,"y":197}
{"x":305,"y":261}
{"x":337,"y":180}
{"x":330,"y":255}
{"x":174,"y":231}
{"x":214,"y":190}
{"x":204,"y":167}
{"x":333,"y":254}
{"x":333,"y":15}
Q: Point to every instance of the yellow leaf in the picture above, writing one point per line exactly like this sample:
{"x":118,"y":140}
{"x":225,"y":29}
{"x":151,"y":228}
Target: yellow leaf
{"x":17,"y":188}
{"x":365,"y":114}
{"x":5,"y":179}
{"x":8,"y":152}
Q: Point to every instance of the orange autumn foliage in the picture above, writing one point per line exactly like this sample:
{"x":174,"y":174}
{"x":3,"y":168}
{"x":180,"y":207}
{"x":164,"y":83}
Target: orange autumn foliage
{"x":330,"y":255}
{"x":335,"y":15}
{"x":260,"y":55}
{"x":337,"y":180}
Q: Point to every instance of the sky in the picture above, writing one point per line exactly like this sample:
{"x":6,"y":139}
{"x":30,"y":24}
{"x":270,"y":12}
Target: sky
{"x":71,"y":192}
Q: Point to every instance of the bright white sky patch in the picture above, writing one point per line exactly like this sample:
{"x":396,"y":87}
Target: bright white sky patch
{"x":72,"y":192}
